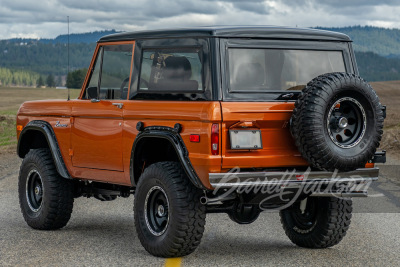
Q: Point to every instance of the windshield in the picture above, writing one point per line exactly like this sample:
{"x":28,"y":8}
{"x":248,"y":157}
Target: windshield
{"x":257,"y":70}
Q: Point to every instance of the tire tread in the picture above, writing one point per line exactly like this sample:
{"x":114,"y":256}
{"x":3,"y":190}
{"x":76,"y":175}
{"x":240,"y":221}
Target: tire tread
{"x":59,"y":204}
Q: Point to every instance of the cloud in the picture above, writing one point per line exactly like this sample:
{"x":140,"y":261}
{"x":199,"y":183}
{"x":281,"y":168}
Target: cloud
{"x":47,"y":18}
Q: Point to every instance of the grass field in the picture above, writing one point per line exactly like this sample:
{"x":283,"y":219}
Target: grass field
{"x":389,"y":95}
{"x":12,"y":98}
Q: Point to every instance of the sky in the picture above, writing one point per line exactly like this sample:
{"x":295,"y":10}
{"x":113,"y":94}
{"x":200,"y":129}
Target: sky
{"x":48,"y":18}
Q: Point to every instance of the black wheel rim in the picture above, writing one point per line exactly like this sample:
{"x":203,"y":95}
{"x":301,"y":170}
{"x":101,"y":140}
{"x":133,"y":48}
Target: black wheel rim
{"x":34,"y":190}
{"x":156,"y":211}
{"x":346,"y":122}
{"x":305,"y":221}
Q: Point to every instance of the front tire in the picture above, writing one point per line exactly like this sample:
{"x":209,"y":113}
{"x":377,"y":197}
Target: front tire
{"x":169,"y":218}
{"x":323,"y":223}
{"x":46,"y":199}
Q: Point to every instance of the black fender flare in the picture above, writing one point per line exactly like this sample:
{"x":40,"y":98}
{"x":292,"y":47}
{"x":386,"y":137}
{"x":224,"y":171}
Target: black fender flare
{"x":46,"y":129}
{"x":173,"y":136}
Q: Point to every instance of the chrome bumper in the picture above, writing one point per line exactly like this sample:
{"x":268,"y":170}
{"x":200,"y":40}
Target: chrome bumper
{"x":292,"y":179}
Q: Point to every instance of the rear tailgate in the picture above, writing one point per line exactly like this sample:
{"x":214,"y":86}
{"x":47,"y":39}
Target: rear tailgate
{"x":272,"y":118}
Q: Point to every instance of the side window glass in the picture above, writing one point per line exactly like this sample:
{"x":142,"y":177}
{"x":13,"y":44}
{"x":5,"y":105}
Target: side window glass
{"x":115,"y":71}
{"x":171,"y":71}
{"x":91,"y":90}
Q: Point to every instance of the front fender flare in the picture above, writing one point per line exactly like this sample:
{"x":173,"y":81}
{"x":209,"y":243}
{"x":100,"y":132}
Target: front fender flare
{"x":46,"y":129}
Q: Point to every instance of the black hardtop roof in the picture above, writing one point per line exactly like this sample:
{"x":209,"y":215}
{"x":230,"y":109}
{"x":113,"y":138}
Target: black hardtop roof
{"x":262,"y":32}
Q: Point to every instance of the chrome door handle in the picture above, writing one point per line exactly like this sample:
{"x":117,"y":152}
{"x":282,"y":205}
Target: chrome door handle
{"x":119,"y":105}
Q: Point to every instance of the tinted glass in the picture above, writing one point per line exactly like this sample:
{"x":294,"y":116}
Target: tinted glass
{"x":115,"y":71}
{"x":277,"y":69}
{"x":91,"y":90}
{"x":178,"y":70}
{"x":94,"y":80}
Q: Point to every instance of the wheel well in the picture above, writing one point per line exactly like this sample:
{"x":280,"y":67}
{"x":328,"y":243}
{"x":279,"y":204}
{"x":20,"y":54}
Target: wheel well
{"x":151,"y":150}
{"x":32,"y":139}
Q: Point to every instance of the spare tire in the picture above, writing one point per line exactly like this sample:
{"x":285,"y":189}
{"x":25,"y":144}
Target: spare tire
{"x":337,"y":122}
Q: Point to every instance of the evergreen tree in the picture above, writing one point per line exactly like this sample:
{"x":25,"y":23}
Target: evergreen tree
{"x":40,"y":82}
{"x":50,"y":81}
{"x":76,"y":78}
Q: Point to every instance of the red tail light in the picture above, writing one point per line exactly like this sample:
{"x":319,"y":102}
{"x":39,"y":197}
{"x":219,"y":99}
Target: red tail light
{"x":215,"y":139}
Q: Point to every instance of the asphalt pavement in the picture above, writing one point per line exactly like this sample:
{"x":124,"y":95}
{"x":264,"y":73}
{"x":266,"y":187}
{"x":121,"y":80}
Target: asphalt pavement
{"x":103,"y":234}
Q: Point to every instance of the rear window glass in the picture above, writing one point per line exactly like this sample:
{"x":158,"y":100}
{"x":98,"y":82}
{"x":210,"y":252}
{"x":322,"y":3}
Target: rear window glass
{"x":278,"y":69}
{"x":178,"y":70}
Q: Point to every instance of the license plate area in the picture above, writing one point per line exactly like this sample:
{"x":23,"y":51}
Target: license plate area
{"x":245,"y":139}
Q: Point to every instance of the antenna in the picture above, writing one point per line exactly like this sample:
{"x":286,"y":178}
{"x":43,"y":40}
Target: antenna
{"x":69,"y":97}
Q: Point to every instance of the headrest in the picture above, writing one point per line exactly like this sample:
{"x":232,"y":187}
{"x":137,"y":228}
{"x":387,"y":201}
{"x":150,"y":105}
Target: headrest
{"x":177,"y":68}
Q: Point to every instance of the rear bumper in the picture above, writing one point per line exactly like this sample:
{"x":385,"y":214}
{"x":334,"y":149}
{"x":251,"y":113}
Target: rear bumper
{"x":315,"y":183}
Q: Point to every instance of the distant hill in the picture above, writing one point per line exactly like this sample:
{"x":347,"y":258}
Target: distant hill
{"x":74,"y":38}
{"x":374,"y":67}
{"x":384,"y":42}
{"x":45,"y":58}
{"x":377,"y":52}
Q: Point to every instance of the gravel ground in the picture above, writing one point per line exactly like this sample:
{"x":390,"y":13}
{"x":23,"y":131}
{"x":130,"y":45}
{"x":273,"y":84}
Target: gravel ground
{"x":102,"y":233}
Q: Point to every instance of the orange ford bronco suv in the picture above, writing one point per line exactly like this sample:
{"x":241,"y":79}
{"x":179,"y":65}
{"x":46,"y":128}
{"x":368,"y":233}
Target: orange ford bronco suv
{"x":232,"y":120}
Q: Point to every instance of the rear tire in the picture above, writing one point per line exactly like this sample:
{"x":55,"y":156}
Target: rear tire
{"x":169,"y":218}
{"x":46,"y":199}
{"x":323,"y":224}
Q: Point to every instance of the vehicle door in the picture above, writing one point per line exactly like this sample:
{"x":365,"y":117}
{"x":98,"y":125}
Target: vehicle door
{"x":98,"y":115}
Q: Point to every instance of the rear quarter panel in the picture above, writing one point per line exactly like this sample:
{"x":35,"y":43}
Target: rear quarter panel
{"x":195,"y":118}
{"x":272,"y":118}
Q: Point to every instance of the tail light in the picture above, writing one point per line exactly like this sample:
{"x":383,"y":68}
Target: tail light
{"x":215,"y":139}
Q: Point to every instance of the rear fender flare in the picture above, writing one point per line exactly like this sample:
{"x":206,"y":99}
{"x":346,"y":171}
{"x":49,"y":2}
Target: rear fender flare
{"x":173,"y":136}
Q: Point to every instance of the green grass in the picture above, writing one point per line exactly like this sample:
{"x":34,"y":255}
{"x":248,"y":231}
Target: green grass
{"x":10,"y":100}
{"x":10,"y":112}
{"x":8,"y":135}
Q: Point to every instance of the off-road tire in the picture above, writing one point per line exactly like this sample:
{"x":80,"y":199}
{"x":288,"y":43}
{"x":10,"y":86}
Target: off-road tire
{"x":327,"y":228}
{"x":187,"y":215}
{"x":55,"y":207}
{"x":312,"y":134}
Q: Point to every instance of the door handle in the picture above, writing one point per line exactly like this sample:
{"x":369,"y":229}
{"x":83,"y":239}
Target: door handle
{"x":119,"y":105}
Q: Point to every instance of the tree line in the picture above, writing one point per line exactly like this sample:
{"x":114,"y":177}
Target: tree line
{"x":24,"y":61}
{"x":18,"y":77}
{"x":373,"y":67}
{"x":381,"y":41}
{"x":45,"y":58}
